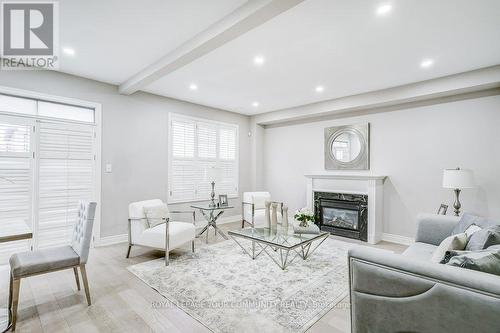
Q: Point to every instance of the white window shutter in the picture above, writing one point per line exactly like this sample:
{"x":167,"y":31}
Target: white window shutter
{"x":214,"y":144}
{"x":15,"y":181}
{"x":66,"y":176}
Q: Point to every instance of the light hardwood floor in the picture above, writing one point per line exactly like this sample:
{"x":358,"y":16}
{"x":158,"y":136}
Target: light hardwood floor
{"x":120,"y":301}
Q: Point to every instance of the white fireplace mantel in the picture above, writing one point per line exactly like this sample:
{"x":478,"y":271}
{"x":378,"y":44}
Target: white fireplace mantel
{"x":371,"y":185}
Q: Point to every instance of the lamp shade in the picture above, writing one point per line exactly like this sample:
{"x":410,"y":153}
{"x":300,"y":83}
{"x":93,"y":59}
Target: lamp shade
{"x":458,"y":178}
{"x":212,"y":173}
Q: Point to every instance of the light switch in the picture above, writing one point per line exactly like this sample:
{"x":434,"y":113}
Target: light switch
{"x":109,"y":168}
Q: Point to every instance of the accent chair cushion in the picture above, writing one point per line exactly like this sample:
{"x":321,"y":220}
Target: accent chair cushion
{"x":259,"y":200}
{"x":28,"y":263}
{"x":484,"y":238}
{"x":179,"y":234}
{"x":156,"y":214}
{"x":453,"y":242}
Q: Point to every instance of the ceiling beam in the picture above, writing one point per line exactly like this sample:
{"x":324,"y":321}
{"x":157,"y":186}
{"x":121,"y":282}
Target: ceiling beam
{"x":247,"y":17}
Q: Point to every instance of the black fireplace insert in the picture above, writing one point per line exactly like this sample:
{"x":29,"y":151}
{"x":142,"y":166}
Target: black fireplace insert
{"x":342,"y":214}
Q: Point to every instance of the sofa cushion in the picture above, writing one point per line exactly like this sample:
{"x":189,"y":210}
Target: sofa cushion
{"x":486,"y":261}
{"x":468,"y":219}
{"x":453,"y":242}
{"x":179,"y":234}
{"x":41,"y":261}
{"x":484,"y":238}
{"x":422,"y":251}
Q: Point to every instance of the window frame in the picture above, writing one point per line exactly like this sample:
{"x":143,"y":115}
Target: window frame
{"x":176,"y":116}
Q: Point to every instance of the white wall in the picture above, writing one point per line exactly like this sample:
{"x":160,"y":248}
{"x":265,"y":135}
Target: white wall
{"x":134,"y":139}
{"x":412,"y":147}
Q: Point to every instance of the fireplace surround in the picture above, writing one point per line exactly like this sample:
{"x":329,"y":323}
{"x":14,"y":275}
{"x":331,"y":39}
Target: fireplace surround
{"x":342,"y":214}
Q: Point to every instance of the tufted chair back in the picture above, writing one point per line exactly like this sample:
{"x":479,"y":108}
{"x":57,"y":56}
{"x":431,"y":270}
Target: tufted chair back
{"x":82,"y":231}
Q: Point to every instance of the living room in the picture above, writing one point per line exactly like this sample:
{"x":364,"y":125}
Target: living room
{"x":234,"y":166}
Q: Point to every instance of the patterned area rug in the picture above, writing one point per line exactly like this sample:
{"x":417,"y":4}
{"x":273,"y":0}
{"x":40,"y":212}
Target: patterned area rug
{"x":227,"y":291}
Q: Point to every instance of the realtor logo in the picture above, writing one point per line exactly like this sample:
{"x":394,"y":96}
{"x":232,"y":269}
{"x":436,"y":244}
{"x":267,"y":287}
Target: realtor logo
{"x":29,"y":35}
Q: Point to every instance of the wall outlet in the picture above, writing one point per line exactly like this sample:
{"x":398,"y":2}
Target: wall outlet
{"x":109,"y":168}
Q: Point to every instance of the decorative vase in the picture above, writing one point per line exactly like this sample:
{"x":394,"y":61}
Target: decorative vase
{"x":268,"y":216}
{"x":284,"y":222}
{"x":274,"y":216}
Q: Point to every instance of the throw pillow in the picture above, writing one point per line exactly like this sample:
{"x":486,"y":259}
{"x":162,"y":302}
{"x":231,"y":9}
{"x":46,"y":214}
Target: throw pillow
{"x":483,"y":261}
{"x":468,"y":219}
{"x":484,"y":238}
{"x":471,"y":230}
{"x":156,"y":214}
{"x":453,"y":242}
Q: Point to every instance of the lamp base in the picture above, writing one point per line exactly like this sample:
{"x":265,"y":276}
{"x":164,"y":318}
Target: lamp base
{"x":212,"y":195}
{"x":457,"y":205}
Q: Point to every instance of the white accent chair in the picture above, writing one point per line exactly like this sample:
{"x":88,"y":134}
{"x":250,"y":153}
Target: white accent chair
{"x":253,"y":209}
{"x":165,"y":236}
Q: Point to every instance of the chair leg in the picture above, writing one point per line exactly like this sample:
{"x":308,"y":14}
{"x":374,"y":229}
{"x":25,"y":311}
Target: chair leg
{"x":192,"y":246}
{"x":16,"y":284}
{"x":167,"y":260}
{"x":11,"y":281}
{"x":85,"y":283}
{"x":128,"y":251}
{"x":75,"y":270}
{"x":242,"y":224}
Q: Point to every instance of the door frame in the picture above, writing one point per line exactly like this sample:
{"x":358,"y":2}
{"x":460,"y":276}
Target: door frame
{"x":15,"y":92}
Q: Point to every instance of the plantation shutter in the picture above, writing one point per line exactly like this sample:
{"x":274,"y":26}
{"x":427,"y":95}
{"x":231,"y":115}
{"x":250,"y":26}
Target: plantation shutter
{"x":182,"y":179}
{"x":15,"y":181}
{"x":195,"y":146}
{"x":66,"y":176}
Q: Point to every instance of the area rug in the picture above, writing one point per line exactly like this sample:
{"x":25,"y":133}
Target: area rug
{"x":227,"y":291}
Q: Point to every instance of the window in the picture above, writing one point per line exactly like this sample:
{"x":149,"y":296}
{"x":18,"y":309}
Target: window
{"x":46,"y":167}
{"x":195,"y":146}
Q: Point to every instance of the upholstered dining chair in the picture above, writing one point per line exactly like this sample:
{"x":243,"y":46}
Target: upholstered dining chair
{"x":254,"y":208}
{"x":26,"y":264}
{"x":164,"y":236}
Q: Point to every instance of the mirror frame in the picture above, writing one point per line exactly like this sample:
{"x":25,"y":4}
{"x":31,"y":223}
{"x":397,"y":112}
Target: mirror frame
{"x":362,"y":161}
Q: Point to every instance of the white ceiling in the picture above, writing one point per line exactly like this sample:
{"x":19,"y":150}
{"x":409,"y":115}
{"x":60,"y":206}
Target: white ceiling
{"x":339,"y":44}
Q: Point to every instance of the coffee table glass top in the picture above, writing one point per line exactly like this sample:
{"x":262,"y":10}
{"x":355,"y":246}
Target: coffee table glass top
{"x":206,"y":207}
{"x":279,"y":237}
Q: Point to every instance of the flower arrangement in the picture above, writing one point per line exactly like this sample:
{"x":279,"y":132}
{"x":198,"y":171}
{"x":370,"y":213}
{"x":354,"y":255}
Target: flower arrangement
{"x":305,"y":216}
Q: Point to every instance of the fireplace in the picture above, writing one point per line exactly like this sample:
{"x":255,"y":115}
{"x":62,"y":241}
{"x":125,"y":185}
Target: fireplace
{"x":342,"y":214}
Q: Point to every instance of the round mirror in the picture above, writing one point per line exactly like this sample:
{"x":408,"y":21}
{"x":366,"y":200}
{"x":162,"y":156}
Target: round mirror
{"x":346,"y":146}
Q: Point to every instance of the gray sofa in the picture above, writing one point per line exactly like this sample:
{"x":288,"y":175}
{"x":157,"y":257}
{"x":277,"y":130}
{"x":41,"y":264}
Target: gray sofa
{"x":408,"y":293}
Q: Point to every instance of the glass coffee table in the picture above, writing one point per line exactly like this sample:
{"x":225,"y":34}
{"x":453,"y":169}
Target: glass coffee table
{"x":278,"y":243}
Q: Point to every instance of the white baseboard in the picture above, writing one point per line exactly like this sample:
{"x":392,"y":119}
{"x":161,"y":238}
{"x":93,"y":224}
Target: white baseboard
{"x":116,"y":239}
{"x":397,"y":239}
{"x":110,"y":240}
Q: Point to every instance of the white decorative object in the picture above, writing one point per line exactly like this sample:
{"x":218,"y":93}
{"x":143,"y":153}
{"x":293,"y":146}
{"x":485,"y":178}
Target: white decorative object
{"x":373,"y":186}
{"x":274,"y":216}
{"x":284,"y":222}
{"x":268,"y":214}
{"x":304,"y":216}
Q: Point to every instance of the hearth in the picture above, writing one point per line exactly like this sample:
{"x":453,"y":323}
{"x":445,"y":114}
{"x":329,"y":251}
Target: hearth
{"x":342,"y":214}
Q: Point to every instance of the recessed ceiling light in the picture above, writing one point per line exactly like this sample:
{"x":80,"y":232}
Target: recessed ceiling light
{"x":255,"y":104}
{"x":426,"y":63}
{"x":193,"y":86}
{"x":319,"y":89}
{"x":69,"y":51}
{"x":259,"y":60}
{"x":384,"y":9}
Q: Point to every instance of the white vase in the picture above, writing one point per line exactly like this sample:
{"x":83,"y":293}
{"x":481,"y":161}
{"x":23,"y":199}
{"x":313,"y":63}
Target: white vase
{"x":268,"y":215}
{"x":274,"y":216}
{"x":284,"y":222}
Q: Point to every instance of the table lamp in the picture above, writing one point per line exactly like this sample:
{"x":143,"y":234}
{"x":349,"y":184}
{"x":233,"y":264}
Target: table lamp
{"x":212,"y":174}
{"x":458,"y":179}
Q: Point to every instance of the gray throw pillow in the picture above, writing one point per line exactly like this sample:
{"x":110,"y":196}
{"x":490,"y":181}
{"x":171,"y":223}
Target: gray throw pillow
{"x":484,"y":238}
{"x":483,"y":261}
{"x":468,"y":219}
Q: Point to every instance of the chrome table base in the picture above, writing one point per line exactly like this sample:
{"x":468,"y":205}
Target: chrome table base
{"x":281,"y":254}
{"x":212,"y":222}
